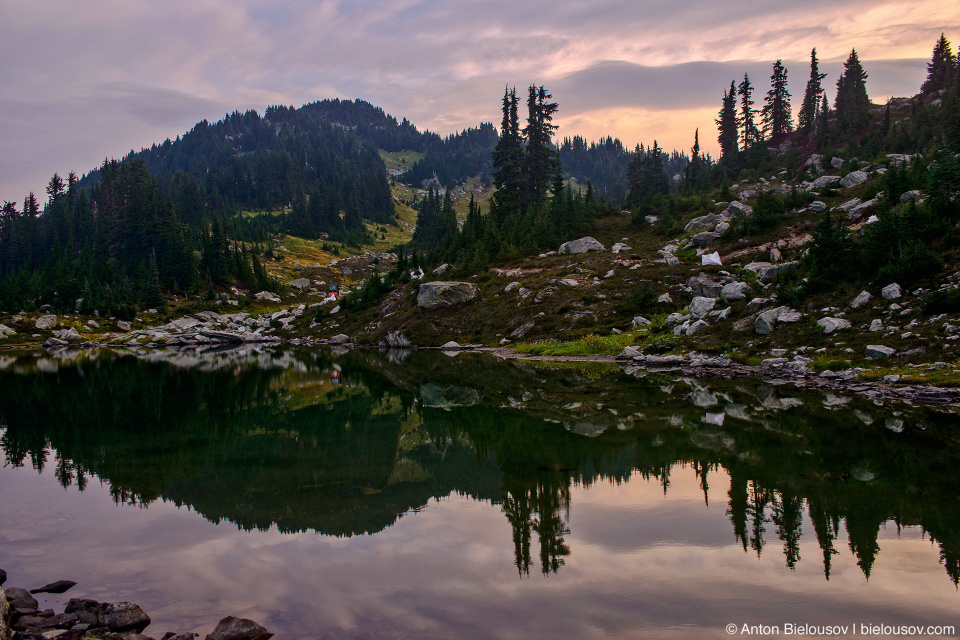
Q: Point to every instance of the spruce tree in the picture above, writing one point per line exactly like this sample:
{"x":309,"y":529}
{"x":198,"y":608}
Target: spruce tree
{"x":540,"y":159}
{"x":154,"y":295}
{"x":728,"y":125}
{"x":940,"y":68}
{"x":777,"y":119}
{"x":852,"y":104}
{"x":751,"y":135}
{"x":508,"y":161}
{"x":810,"y":108}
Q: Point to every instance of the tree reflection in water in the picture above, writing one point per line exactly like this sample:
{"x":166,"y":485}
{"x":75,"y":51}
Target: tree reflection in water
{"x":266,"y":438}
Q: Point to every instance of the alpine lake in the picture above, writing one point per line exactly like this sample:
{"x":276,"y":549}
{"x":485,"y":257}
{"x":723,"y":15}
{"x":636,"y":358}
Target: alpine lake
{"x":365,"y":494}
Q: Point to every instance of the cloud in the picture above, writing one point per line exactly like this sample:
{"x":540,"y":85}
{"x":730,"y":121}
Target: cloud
{"x":84,"y":81}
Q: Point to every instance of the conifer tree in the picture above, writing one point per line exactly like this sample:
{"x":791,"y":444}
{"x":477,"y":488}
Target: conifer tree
{"x":508,"y":161}
{"x":540,"y":160}
{"x":728,"y":125}
{"x":777,"y":118}
{"x":852,"y":104}
{"x":154,"y":295}
{"x":940,"y":68}
{"x":751,"y":134}
{"x":810,"y":108}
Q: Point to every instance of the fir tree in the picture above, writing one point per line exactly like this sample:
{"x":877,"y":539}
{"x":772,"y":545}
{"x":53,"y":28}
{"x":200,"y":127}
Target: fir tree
{"x":540,"y":159}
{"x":852,"y":104}
{"x":940,"y":68}
{"x":810,"y":108}
{"x":751,"y":134}
{"x":777,"y":118}
{"x":154,"y":295}
{"x":728,"y":125}
{"x":508,"y":161}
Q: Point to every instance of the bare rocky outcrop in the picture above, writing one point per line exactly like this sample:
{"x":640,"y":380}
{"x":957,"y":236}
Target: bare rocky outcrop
{"x":439,"y":294}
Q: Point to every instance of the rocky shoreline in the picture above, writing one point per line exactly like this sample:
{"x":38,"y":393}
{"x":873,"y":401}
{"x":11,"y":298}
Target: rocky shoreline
{"x":22,"y":619}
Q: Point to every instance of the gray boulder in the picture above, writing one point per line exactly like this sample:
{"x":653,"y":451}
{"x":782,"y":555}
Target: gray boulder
{"x":911,"y":195}
{"x":832,"y":325}
{"x":522,"y":330}
{"x":510,"y":287}
{"x":442,"y":269}
{"x":267,"y":295}
{"x":640,"y":321}
{"x":861,"y":300}
{"x":6,"y":331}
{"x":581,"y":245}
{"x":452,"y":345}
{"x":836,"y":162}
{"x":876,"y":325}
{"x":618,"y":247}
{"x":48,"y":321}
{"x":702,"y":285}
{"x":664,"y":298}
{"x":340,"y":338}
{"x":704,"y":238}
{"x":696,"y":326}
{"x":817,"y":206}
{"x":439,"y":294}
{"x":849,"y":205}
{"x":397,"y":340}
{"x":703,"y":223}
{"x":301,"y":284}
{"x":878,"y":351}
{"x":68,"y":335}
{"x":567,"y":282}
{"x":766,"y":321}
{"x":701,"y":306}
{"x":736,"y":207}
{"x":853,"y":178}
{"x":735,"y":291}
{"x":231,"y":628}
{"x":123,"y":325}
{"x":823,"y":181}
{"x":891,"y":291}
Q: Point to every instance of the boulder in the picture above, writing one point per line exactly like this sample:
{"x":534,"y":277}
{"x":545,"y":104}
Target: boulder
{"x":671,"y":259}
{"x":68,"y":335}
{"x":899,"y":159}
{"x":301,"y":284}
{"x":442,"y":269}
{"x":766,"y":321}
{"x":397,"y":340}
{"x":617,"y":248}
{"x":664,"y":299}
{"x":60,"y":586}
{"x":853,"y":178}
{"x":567,"y":282}
{"x":815,"y":162}
{"x":640,"y":321}
{"x":581,"y":245}
{"x":832,"y":325}
{"x":878,"y":351}
{"x":736,"y":207}
{"x":836,"y":162}
{"x":439,"y":294}
{"x":703,"y":286}
{"x":849,"y":205}
{"x":54,"y":343}
{"x":861,"y":300}
{"x":775,"y":255}
{"x":269,"y":296}
{"x":123,"y":616}
{"x":891,"y":291}
{"x":823,"y":182}
{"x":704,"y":238}
{"x":916,"y":196}
{"x":876,"y":325}
{"x":231,"y":628}
{"x":46,"y":322}
{"x":817,"y":206}
{"x":123,"y":325}
{"x":522,"y":330}
{"x":700,"y":306}
{"x":696,"y":326}
{"x":722,"y":228}
{"x":510,"y":287}
{"x":735,"y":291}
{"x":21,"y":599}
{"x":452,"y":345}
{"x":340,"y":338}
{"x":6,"y":331}
{"x":703,"y":223}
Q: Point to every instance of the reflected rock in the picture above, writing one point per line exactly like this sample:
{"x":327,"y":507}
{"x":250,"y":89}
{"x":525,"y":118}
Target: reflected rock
{"x":446,"y":396}
{"x":587,"y":429}
{"x":861,"y":474}
{"x":737,"y":411}
{"x":715,"y":419}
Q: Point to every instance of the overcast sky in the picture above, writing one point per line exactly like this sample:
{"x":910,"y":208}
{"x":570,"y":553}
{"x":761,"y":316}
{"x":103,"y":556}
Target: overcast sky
{"x":84,"y":80}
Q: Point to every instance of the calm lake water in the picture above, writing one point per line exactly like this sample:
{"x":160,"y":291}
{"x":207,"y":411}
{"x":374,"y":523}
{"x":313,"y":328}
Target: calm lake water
{"x":368,"y":495}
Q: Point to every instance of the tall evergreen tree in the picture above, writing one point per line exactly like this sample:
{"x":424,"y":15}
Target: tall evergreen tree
{"x":852,"y":104}
{"x":508,"y":161}
{"x":810,"y":108}
{"x":541,"y":159}
{"x":154,"y":295}
{"x":751,"y":134}
{"x":940,"y":68}
{"x":777,"y":117}
{"x":728,"y":125}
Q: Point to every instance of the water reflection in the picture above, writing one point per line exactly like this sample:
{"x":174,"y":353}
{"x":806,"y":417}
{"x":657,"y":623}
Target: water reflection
{"x":347,"y":443}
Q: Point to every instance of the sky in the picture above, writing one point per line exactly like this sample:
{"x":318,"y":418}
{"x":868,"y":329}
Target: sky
{"x":86,"y":80}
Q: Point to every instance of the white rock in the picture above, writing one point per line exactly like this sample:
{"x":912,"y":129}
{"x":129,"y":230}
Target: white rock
{"x":711,"y":259}
{"x":640,"y":321}
{"x":832,"y":325}
{"x":510,"y":287}
{"x":891,"y":291}
{"x":700,"y":306}
{"x":861,"y":300}
{"x":665,"y":298}
{"x":581,"y":245}
{"x":817,"y":206}
{"x":853,"y":178}
{"x":48,"y":321}
{"x":878,"y":351}
{"x":735,"y":291}
{"x":876,"y":325}
{"x":766,"y":321}
{"x":618,"y":247}
{"x":696,"y":326}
